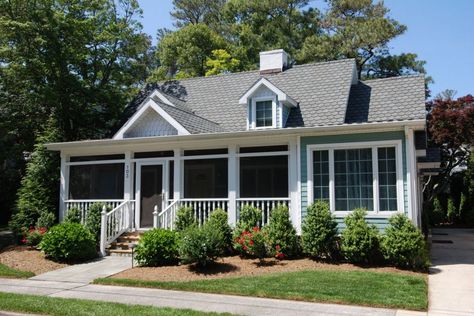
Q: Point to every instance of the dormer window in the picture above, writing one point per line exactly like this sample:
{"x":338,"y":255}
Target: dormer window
{"x":264,"y":114}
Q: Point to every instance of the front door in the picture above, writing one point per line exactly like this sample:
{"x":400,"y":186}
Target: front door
{"x":151,"y":193}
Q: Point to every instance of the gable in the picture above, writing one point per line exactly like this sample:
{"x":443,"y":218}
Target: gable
{"x":150,"y":124}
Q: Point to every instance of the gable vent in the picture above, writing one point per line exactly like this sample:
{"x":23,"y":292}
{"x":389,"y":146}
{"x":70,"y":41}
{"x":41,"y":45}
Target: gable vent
{"x":273,"y":61}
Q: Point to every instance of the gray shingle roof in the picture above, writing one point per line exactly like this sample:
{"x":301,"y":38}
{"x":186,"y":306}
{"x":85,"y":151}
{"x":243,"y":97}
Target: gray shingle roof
{"x":389,"y":99}
{"x":191,"y":122}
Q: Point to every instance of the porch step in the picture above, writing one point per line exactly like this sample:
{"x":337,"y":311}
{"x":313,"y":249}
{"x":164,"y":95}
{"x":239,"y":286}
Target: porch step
{"x":122,"y":246}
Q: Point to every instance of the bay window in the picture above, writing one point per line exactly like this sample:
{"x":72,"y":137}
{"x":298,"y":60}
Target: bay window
{"x":366,"y":176}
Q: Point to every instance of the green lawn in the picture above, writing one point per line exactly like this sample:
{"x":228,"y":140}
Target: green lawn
{"x":13,"y":273}
{"x":368,"y":288}
{"x":65,"y":307}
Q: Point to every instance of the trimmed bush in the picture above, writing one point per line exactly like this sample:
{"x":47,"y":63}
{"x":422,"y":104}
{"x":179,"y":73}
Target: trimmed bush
{"x":403,"y":244}
{"x":73,"y":216}
{"x":319,"y":231}
{"x":184,"y":218}
{"x":249,"y":217}
{"x":34,"y":236}
{"x":46,"y":219}
{"x":218,"y":220}
{"x":360,"y":242}
{"x":70,"y":242}
{"x":251,"y":243}
{"x":157,"y":247}
{"x":201,"y":245}
{"x":282,"y":239}
{"x":93,"y":219}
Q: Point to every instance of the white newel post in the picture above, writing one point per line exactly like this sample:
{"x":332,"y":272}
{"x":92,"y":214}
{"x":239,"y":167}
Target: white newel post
{"x":295,"y":211}
{"x":232,"y":185}
{"x":63,"y":189}
{"x":155,"y":216}
{"x":103,"y":231}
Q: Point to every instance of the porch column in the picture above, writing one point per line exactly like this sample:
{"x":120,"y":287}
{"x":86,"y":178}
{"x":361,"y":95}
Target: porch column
{"x":232,"y":185}
{"x":177,"y":175}
{"x":64,"y":186}
{"x":411,"y":175}
{"x":128,"y":176}
{"x":295,"y":212}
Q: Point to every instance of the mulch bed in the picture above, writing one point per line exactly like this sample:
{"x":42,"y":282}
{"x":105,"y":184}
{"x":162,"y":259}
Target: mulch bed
{"x":26,"y":259}
{"x":236,"y":267}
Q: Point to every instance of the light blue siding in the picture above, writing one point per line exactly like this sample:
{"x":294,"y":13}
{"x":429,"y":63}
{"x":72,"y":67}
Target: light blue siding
{"x":366,"y":137}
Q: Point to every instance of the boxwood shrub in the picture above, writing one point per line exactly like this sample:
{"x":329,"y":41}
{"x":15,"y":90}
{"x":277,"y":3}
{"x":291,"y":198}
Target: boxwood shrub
{"x":201,"y":245}
{"x":70,"y":242}
{"x":218,"y":220}
{"x":157,"y":247}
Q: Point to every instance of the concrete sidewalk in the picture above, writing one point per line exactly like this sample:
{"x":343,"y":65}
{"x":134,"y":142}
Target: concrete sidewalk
{"x":197,"y":301}
{"x":451,"y":279}
{"x":87,"y":272}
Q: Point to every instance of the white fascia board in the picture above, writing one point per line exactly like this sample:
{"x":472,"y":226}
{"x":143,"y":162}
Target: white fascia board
{"x":150,"y":104}
{"x":160,"y":96}
{"x":301,"y":131}
{"x":282,"y":96}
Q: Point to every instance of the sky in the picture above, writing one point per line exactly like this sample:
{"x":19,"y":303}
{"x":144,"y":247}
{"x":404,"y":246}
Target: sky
{"x":441,"y":32}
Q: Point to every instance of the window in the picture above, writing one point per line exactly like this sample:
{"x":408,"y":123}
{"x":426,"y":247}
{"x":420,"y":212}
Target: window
{"x":264,"y":114}
{"x":264,"y":176}
{"x":369,"y":177}
{"x":104,"y":181}
{"x":205,"y":178}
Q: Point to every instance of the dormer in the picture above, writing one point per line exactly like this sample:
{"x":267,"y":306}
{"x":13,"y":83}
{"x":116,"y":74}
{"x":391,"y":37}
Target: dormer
{"x":267,"y":105}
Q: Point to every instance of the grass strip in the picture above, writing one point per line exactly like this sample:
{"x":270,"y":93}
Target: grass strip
{"x":367,"y":288}
{"x":8,"y":272}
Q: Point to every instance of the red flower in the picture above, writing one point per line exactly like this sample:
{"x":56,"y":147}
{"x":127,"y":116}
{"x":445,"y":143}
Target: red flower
{"x":277,"y":247}
{"x":255,"y":229}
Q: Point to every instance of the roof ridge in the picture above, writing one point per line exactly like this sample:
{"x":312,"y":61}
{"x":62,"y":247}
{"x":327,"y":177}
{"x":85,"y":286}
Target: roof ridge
{"x":187,"y":112}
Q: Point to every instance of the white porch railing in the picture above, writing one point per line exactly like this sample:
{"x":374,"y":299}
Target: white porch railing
{"x":84,"y":205}
{"x":266,"y":205}
{"x":115,"y":223}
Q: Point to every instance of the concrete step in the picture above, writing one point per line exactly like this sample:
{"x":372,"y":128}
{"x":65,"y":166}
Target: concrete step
{"x":119,"y":252}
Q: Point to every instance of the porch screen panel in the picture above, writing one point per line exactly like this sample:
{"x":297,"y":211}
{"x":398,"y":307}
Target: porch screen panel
{"x":321,"y":175}
{"x":205,"y":178}
{"x":353,"y":179}
{"x":104,"y":181}
{"x":264,"y":176}
{"x":387,"y":179}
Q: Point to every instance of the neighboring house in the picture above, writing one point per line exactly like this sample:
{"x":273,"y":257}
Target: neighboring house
{"x":280,"y":134}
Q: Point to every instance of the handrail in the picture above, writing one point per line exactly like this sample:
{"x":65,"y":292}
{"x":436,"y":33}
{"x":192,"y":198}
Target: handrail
{"x":115,"y":223}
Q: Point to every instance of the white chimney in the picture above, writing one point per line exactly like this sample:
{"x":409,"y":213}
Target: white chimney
{"x":273,"y":61}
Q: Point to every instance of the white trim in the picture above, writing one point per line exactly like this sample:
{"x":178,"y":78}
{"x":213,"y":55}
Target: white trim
{"x":161,"y":96}
{"x":155,"y":106}
{"x":95,"y":162}
{"x":411,"y":175}
{"x":164,"y":189}
{"x":253,"y":121}
{"x":177,"y":174}
{"x":282,"y":96}
{"x":127,"y":177}
{"x":262,"y":154}
{"x":293,"y":184}
{"x":232,"y":184}
{"x":357,"y":145}
{"x":63,"y":187}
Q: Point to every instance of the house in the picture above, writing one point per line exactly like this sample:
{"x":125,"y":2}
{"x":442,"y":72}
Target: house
{"x":281,"y":134}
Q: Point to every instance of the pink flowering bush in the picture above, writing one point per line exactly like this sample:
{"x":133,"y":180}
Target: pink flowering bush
{"x":33,"y":236}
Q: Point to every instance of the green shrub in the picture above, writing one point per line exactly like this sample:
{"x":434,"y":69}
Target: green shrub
{"x":403,"y":244}
{"x":21,"y":222}
{"x":46,"y":219}
{"x":157,"y":247}
{"x":360,"y":242}
{"x":184,"y":218}
{"x":94,"y":218}
{"x":73,"y":216}
{"x":70,"y":242}
{"x":249,"y":217}
{"x":282,"y":241}
{"x":218,"y":220}
{"x":201,"y":245}
{"x":251,"y":243}
{"x":34,"y":236}
{"x":452,"y":211}
{"x":438,"y":215}
{"x":319,"y":231}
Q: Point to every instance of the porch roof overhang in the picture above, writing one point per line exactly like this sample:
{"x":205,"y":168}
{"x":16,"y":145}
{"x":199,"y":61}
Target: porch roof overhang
{"x":175,"y":141}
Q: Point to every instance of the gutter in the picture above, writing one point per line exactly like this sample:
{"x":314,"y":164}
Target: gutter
{"x":301,"y":131}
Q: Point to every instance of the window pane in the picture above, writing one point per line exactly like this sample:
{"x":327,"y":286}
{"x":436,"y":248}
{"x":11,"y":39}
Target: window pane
{"x":353,"y":179}
{"x":321,"y":175}
{"x":103,"y":181}
{"x":264,"y":176}
{"x":264,"y":113}
{"x":387,"y":179}
{"x":205,"y":178}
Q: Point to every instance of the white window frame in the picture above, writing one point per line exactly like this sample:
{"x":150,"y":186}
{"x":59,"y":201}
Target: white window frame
{"x":397,"y":144}
{"x":253,"y":122}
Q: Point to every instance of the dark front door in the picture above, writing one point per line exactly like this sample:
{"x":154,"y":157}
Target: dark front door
{"x":151,"y":189}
